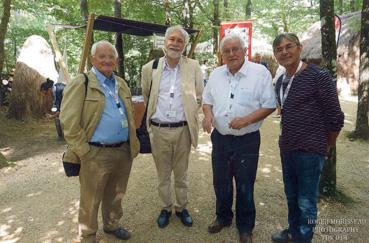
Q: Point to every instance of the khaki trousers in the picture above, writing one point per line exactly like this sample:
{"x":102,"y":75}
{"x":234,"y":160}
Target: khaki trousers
{"x":103,"y":177}
{"x":171,"y":150}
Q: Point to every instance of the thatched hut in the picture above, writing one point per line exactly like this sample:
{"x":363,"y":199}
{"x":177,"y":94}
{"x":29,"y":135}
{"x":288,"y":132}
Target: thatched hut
{"x":348,"y":51}
{"x":34,"y":64}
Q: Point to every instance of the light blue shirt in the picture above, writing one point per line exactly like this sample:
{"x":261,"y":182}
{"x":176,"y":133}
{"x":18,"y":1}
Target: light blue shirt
{"x":109,"y":130}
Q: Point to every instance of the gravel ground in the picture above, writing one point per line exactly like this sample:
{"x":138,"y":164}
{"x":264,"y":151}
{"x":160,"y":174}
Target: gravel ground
{"x":39,"y":204}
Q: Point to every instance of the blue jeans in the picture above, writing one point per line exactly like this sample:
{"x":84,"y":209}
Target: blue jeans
{"x":301,"y":175}
{"x":235,"y":157}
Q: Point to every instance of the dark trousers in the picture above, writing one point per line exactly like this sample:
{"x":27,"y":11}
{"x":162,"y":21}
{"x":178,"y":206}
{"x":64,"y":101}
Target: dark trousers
{"x":235,"y":157}
{"x":301,"y":175}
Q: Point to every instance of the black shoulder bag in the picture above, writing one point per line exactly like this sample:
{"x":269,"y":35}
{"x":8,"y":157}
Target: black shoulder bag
{"x":142,"y":133}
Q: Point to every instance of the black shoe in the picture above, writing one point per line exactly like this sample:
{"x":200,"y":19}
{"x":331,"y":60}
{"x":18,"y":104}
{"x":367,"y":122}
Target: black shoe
{"x":282,"y":237}
{"x":163,"y":219}
{"x":120,"y":233}
{"x":216,"y":227}
{"x":245,"y":237}
{"x":185,"y":217}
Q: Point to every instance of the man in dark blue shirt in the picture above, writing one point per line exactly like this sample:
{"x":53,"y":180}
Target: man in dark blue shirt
{"x":311,"y":119}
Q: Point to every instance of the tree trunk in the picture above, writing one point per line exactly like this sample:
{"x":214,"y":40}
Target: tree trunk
{"x":340,"y":7}
{"x":119,"y":40}
{"x":84,"y":14}
{"x":248,"y":9}
{"x":166,"y":10}
{"x":329,"y":54}
{"x":3,"y":30}
{"x":352,"y":6}
{"x":216,"y":24}
{"x":84,"y":9}
{"x":226,"y":10}
{"x":285,"y":22}
{"x":186,"y":14}
{"x":362,"y":128}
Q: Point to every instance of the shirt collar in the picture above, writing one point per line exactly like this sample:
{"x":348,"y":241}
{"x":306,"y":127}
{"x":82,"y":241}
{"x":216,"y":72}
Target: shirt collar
{"x":102,"y":78}
{"x":167,"y":67}
{"x":242,"y":71}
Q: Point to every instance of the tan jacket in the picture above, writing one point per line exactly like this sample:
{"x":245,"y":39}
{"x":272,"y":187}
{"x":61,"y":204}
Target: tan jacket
{"x":191,"y":86}
{"x":80,"y":114}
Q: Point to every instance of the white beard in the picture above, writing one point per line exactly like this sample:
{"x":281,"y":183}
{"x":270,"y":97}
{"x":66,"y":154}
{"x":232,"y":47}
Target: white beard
{"x":173,"y":54}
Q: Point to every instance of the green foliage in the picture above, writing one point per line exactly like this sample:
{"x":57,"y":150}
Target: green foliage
{"x":30,"y":17}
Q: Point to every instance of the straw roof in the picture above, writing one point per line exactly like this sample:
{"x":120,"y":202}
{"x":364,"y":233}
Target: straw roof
{"x":311,"y":39}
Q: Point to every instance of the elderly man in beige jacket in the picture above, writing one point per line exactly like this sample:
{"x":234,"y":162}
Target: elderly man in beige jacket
{"x":172,"y":92}
{"x":99,"y":127}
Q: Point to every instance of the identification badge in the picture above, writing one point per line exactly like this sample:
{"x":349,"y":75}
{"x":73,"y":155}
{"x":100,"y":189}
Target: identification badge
{"x":171,"y":114}
{"x":124,"y":123}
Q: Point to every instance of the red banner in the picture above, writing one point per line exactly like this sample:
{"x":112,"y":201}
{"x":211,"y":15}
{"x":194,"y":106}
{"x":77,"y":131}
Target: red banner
{"x":243,"y":28}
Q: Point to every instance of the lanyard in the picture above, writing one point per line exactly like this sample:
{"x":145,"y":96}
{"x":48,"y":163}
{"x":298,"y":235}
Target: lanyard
{"x":232,"y":89}
{"x":115,"y":97}
{"x":172,"y":84}
{"x":282,"y":96}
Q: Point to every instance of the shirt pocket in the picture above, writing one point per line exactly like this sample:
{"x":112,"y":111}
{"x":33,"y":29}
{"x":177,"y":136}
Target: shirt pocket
{"x":244,"y":97}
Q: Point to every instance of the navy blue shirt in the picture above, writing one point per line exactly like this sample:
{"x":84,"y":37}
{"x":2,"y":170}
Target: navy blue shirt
{"x":310,"y":111}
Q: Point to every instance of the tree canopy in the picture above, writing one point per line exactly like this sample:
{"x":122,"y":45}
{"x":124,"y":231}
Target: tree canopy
{"x":29,"y":17}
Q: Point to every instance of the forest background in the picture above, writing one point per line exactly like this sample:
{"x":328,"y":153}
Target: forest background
{"x":30,"y":17}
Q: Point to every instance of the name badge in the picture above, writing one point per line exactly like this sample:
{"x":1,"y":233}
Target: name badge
{"x":171,"y":114}
{"x":125,"y":123}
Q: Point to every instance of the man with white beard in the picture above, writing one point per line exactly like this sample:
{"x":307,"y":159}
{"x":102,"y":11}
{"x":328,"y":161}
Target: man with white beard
{"x":172,"y":88}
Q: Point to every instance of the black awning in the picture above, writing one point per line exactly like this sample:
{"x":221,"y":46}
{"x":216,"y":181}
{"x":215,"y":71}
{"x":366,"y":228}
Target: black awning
{"x":131,"y":27}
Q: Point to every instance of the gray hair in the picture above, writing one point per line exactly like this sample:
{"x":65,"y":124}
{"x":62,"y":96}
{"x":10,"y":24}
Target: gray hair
{"x":232,"y":36}
{"x":289,"y":36}
{"x":179,"y":28}
{"x":103,"y":43}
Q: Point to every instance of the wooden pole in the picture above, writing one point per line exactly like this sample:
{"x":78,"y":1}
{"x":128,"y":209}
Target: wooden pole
{"x":87,"y":43}
{"x":58,"y":56}
{"x":193,"y":46}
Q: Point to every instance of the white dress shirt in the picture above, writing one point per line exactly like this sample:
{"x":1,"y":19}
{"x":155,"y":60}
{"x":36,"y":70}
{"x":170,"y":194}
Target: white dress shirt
{"x":169,"y":108}
{"x":238,"y":95}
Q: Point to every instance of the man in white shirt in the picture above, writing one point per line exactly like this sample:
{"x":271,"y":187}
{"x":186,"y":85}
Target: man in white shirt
{"x":172,"y":93}
{"x":237,"y":97}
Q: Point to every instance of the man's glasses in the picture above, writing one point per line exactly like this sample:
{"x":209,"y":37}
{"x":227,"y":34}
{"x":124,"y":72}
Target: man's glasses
{"x":288,"y":48}
{"x":227,"y":52}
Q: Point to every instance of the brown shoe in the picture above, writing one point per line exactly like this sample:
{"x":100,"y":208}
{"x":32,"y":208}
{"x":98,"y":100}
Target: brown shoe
{"x":216,"y":227}
{"x":246,"y":238}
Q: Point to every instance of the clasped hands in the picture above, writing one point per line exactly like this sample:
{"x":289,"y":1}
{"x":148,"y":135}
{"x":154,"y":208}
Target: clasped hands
{"x":237,"y":123}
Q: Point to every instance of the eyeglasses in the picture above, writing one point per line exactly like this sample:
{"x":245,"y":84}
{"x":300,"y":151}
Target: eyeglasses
{"x":288,"y":48}
{"x":236,"y":49}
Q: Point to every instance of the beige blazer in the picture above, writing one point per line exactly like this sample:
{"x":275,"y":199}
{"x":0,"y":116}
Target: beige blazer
{"x":191,"y":85}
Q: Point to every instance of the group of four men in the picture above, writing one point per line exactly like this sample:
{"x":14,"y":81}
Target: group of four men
{"x":99,"y":127}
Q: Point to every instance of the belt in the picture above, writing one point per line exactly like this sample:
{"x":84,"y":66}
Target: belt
{"x":177,"y":124}
{"x":103,"y":145}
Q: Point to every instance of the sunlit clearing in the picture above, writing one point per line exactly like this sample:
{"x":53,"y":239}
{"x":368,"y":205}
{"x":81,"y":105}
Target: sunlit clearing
{"x":5,"y":210}
{"x":33,"y":194}
{"x":205,"y":148}
{"x":265,"y":170}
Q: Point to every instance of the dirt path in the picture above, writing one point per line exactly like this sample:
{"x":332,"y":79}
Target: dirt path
{"x":39,"y":204}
